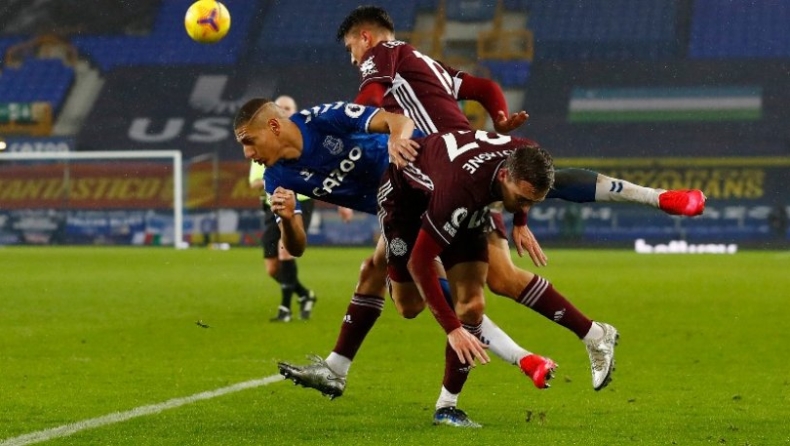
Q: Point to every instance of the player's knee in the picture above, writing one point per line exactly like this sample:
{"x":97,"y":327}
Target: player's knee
{"x":409,"y":306}
{"x":471,"y":311}
{"x":411,"y":311}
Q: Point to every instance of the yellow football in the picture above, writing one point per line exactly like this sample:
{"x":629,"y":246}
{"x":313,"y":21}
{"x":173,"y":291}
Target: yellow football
{"x":207,"y":21}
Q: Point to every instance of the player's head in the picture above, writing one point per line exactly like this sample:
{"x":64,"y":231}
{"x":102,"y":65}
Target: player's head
{"x":286,"y":103}
{"x":260,"y":127}
{"x":526,"y":177}
{"x":363,"y":29}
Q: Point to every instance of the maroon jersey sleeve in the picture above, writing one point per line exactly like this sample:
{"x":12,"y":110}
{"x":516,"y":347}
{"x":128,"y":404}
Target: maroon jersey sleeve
{"x":416,"y":85}
{"x":457,"y":77}
{"x":379,"y":63}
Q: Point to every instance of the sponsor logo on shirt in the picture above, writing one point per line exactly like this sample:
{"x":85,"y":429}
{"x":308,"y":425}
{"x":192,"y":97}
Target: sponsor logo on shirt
{"x":338,"y":174}
{"x":459,"y":215}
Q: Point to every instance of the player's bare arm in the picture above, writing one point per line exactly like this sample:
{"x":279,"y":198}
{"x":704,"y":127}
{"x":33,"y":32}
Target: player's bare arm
{"x":401,"y":147}
{"x":293,"y":235}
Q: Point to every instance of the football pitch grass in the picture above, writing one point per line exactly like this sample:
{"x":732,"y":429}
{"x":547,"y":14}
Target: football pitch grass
{"x":87,"y":333}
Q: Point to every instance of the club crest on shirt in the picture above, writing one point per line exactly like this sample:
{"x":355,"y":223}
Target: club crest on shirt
{"x":398,"y":247}
{"x":334,"y":145}
{"x":368,"y":67}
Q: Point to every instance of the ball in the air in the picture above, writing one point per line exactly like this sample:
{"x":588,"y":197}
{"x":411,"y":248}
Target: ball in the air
{"x":207,"y":21}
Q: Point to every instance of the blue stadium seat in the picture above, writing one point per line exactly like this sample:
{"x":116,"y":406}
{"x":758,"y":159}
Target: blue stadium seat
{"x":168,"y":43}
{"x":517,"y":5}
{"x":603,"y":29}
{"x":509,"y":73}
{"x":313,"y":37}
{"x":46,"y":80}
{"x":471,"y":10}
{"x":427,"y":5}
{"x":739,"y":29}
{"x":5,"y":43}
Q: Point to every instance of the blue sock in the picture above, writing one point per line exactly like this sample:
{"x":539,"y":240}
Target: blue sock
{"x":575,"y":185}
{"x":445,"y":284}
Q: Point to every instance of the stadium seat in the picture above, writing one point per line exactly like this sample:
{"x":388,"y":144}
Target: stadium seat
{"x":313,"y":39}
{"x":471,"y":10}
{"x":509,"y":73}
{"x":606,"y":30}
{"x":168,"y":43}
{"x":46,"y":80}
{"x":739,"y":29}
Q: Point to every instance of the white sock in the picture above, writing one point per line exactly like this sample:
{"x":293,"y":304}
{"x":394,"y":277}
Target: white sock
{"x":596,"y":331}
{"x":446,"y":399}
{"x":500,"y":343}
{"x":338,"y":363}
{"x":615,"y":189}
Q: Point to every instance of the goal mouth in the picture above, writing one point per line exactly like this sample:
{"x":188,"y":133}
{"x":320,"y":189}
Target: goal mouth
{"x":80,"y":185}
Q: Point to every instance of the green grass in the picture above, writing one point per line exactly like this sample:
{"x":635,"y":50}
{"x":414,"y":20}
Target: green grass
{"x":85,"y":332}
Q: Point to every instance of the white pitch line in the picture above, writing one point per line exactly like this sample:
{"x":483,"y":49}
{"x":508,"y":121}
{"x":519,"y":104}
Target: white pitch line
{"x":117,"y":417}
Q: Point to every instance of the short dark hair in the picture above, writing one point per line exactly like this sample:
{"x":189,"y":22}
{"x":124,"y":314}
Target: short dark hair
{"x":366,"y":14}
{"x":532,"y":164}
{"x":248,"y":110}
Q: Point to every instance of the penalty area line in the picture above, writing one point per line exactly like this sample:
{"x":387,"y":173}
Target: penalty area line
{"x":118,"y":417}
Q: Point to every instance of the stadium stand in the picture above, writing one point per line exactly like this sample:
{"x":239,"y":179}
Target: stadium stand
{"x":313,"y":39}
{"x":167,"y":43}
{"x":46,"y":80}
{"x":740,"y":29}
{"x":509,"y":73}
{"x":471,"y":10}
{"x":602,"y":29}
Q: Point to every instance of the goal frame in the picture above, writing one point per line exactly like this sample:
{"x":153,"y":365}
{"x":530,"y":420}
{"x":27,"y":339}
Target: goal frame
{"x":174,"y":155}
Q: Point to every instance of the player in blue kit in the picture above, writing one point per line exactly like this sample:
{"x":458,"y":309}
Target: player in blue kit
{"x":342,"y":157}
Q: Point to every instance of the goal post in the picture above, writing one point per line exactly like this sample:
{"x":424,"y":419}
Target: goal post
{"x":173,"y":155}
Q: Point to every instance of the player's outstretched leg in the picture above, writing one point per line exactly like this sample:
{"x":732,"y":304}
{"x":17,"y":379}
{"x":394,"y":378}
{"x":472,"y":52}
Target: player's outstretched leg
{"x":361,"y":315}
{"x":537,"y":293}
{"x":599,"y":338}
{"x":585,"y":186}
{"x":539,"y":369}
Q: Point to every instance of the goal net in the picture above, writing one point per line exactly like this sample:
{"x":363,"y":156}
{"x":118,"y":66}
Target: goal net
{"x":100,"y":197}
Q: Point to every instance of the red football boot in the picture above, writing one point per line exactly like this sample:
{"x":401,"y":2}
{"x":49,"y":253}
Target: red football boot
{"x":688,"y":202}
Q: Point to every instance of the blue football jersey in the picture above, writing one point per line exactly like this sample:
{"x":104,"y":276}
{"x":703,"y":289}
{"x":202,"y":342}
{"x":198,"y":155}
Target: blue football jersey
{"x":340,"y":163}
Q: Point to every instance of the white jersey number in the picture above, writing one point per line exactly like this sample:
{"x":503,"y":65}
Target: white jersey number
{"x":452,"y":144}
